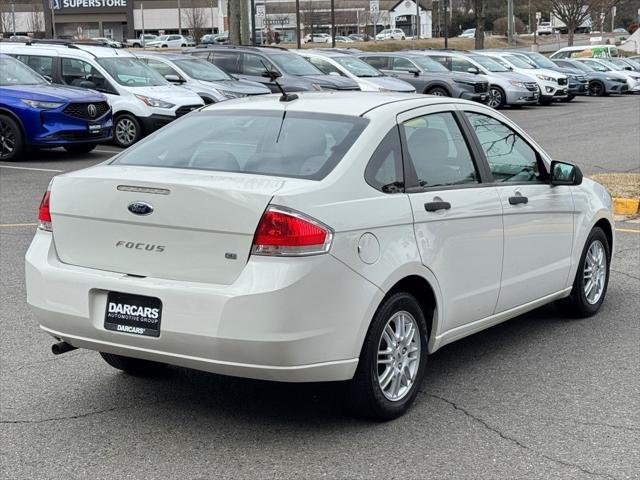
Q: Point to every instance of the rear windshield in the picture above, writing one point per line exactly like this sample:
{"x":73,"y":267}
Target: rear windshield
{"x":284,"y":144}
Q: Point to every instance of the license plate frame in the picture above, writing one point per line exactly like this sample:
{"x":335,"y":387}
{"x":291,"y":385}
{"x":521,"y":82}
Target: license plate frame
{"x":133,"y":314}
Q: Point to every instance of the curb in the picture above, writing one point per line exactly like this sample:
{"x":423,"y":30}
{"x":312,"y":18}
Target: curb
{"x":626,"y":206}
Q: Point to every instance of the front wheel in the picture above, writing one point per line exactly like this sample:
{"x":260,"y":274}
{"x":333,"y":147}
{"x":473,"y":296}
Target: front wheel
{"x":438,"y":92}
{"x":496,"y":98}
{"x":80,"y":148}
{"x":393,"y":360}
{"x":592,"y":278}
{"x":126,"y":130}
{"x":11,"y":139}
{"x":597,"y":89}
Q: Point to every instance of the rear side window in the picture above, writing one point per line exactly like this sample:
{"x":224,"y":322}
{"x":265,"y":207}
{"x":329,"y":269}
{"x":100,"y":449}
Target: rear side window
{"x":227,"y":61}
{"x":384,"y":171}
{"x":76,"y":72}
{"x":42,"y":65}
{"x":290,"y":144}
{"x":381,"y":63}
{"x":254,"y":64}
{"x":403,"y":64}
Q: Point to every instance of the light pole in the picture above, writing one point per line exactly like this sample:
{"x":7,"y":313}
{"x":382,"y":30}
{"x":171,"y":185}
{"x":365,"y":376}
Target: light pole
{"x":298,"y":39}
{"x":13,"y":16}
{"x":417,"y":20}
{"x":333,"y":24}
{"x":179,"y":18}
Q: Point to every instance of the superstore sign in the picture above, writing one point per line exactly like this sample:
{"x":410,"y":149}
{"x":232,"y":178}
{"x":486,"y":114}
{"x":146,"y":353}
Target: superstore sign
{"x":60,"y":4}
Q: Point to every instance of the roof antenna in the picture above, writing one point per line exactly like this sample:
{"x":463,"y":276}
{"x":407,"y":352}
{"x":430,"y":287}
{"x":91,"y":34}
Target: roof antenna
{"x":273,"y":75}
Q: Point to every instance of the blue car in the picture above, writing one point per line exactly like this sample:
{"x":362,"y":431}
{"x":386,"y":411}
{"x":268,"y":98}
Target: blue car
{"x":35,"y":114}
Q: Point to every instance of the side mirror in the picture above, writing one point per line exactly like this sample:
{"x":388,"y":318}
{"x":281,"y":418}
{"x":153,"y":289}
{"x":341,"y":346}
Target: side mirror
{"x":48,"y":78}
{"x":271,"y":74}
{"x":415,"y":71}
{"x":335,"y":74}
{"x":628,"y":68}
{"x":565,"y":174}
{"x":174,"y":78}
{"x":473,"y":70}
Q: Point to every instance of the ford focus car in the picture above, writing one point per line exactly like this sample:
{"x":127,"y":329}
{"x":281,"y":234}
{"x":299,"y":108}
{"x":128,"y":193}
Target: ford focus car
{"x":316,"y":237}
{"x":36,"y":114}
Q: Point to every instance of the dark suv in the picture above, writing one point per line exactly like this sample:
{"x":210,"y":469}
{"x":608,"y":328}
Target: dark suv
{"x":251,"y":63}
{"x":427,"y":75}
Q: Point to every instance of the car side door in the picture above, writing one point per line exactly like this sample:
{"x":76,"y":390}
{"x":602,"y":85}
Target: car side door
{"x":538,"y":218}
{"x":405,"y":69}
{"x":457,"y":214}
{"x":252,"y":67}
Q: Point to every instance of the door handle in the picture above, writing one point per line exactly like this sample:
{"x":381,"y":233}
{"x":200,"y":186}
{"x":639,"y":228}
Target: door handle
{"x":518,"y":199}
{"x":435,"y":206}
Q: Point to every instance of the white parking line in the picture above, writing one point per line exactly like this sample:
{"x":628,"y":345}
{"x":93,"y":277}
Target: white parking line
{"x":32,"y":169}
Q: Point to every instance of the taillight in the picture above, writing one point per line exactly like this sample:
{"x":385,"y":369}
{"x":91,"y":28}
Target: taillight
{"x":285,"y":232}
{"x":44,"y":215}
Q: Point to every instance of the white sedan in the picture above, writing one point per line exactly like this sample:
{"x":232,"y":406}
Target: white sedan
{"x":317,"y":237}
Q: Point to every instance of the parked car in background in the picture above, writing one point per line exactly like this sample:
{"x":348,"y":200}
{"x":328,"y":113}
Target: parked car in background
{"x":343,"y":39}
{"x":603,"y":65}
{"x":200,"y":76}
{"x":600,"y":83}
{"x":427,"y":75}
{"x":141,"y":41}
{"x":553,"y":85}
{"x":624,"y":64}
{"x":254,"y":64}
{"x":586,"y":51}
{"x":170,"y":41}
{"x":331,"y":62}
{"x":505,"y":87}
{"x":141,"y":99}
{"x":468,"y":33}
{"x":391,"y":34}
{"x":318,"y":38}
{"x":622,"y":31}
{"x":35,"y":114}
{"x":20,"y":38}
{"x":216,"y":39}
{"x":336,"y":237}
{"x":544,"y":28}
{"x":578,"y":83}
{"x":107,"y":42}
{"x":360,"y":37}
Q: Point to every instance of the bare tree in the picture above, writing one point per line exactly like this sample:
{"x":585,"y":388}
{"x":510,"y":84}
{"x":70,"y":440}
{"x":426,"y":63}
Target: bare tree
{"x":35,"y":22}
{"x":195,"y":19}
{"x":6,"y":25}
{"x":234,"y":14}
{"x":574,"y":13}
{"x":479,"y":12}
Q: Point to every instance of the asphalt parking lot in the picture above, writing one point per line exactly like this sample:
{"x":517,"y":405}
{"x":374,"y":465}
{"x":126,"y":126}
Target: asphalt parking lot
{"x":540,"y":396}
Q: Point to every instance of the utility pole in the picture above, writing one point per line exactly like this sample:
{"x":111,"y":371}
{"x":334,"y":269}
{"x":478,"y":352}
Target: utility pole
{"x":509,"y":21}
{"x":13,"y":15}
{"x":142,"y":39}
{"x":53,"y":19}
{"x":212,"y":22}
{"x":418,"y":19}
{"x":179,"y":18}
{"x":333,"y":24}
{"x":253,"y":22}
{"x":446,"y":25}
{"x":298,"y":39}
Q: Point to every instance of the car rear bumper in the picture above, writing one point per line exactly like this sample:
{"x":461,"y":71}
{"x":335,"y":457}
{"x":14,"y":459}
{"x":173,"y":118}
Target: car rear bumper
{"x":294,"y":320}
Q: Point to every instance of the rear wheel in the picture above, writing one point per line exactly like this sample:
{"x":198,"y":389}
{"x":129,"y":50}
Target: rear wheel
{"x":80,"y":148}
{"x":393,"y":360}
{"x":126,"y":130}
{"x":496,"y":97}
{"x":592,"y":277}
{"x":438,"y":92}
{"x":11,"y":139}
{"x":133,"y":366}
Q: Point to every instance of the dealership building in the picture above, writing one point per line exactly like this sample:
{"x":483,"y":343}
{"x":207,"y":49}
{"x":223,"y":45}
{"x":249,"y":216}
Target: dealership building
{"x":121,"y":19}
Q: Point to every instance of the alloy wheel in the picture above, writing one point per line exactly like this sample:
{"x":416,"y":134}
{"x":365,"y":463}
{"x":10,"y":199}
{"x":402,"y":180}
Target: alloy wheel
{"x":594,"y":272}
{"x":126,"y":131}
{"x":7,"y":139}
{"x":398,"y":356}
{"x":595,"y":89}
{"x":495,"y":98}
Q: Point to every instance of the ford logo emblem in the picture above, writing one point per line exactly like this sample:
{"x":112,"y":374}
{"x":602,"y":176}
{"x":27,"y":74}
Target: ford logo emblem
{"x":140,"y":208}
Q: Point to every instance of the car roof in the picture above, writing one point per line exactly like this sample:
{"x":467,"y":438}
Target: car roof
{"x":322,"y":53}
{"x":266,"y":50}
{"x":336,"y":103}
{"x":166,"y":56}
{"x":582,"y":47}
{"x":70,"y":49}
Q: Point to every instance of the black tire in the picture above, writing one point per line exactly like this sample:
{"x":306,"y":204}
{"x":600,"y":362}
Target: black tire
{"x":80,"y":148}
{"x":545,"y":101}
{"x":183,"y":45}
{"x":366,"y":397}
{"x":438,"y":91}
{"x":12,"y":145}
{"x":133,"y":366}
{"x":568,"y":99}
{"x":126,"y":130}
{"x":597,"y":89}
{"x":577,"y":304}
{"x":497,"y":98}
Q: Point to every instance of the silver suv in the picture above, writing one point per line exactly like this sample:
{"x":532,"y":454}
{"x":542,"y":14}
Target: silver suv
{"x":505,"y":87}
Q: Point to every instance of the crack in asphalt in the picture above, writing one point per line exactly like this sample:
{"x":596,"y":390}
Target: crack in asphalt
{"x":515,"y":441}
{"x":625,"y":274}
{"x":57,"y":419}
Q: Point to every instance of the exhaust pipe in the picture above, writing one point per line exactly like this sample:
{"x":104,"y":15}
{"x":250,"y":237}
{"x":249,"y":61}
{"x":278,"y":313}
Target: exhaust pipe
{"x":62,"y":347}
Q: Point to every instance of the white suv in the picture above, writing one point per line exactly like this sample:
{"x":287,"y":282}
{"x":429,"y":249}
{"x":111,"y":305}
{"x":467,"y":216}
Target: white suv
{"x":391,"y":34}
{"x":316,"y":237}
{"x":141,"y":100}
{"x":170,"y":41}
